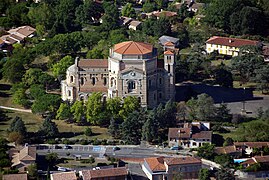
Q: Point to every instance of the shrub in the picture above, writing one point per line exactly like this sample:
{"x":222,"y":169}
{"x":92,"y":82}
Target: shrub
{"x":88,"y":131}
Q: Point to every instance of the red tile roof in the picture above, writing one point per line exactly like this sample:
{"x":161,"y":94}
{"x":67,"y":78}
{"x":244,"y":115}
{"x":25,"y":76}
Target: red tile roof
{"x":93,"y":63}
{"x":202,"y":135}
{"x":103,"y":173}
{"x":252,"y":144}
{"x":226,"y":150}
{"x":232,"y":42}
{"x":165,"y":13}
{"x":15,"y":177}
{"x":168,"y":53}
{"x":257,"y":159}
{"x":182,"y":160}
{"x":156,"y":163}
{"x":169,"y":43}
{"x":133,"y":48}
{"x":64,"y":176}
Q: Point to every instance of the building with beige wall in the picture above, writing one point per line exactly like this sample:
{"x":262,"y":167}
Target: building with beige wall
{"x":228,"y":46}
{"x":132,"y":69}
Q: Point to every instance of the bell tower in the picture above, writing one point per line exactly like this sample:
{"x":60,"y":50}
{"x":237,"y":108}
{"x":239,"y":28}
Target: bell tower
{"x":169,"y":67}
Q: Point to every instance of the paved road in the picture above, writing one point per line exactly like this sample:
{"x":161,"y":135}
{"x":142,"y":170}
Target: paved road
{"x":16,"y":109}
{"x":99,"y":151}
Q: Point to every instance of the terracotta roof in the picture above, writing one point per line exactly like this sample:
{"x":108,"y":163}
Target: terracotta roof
{"x":181,"y":160}
{"x":15,"y":177}
{"x":232,"y":42}
{"x":164,"y":13}
{"x":156,"y":163}
{"x":133,"y":48}
{"x":14,"y":36}
{"x":252,"y":144}
{"x":202,"y":135}
{"x":168,"y":52}
{"x":226,"y":150}
{"x":102,"y":173}
{"x":28,"y":153}
{"x":93,"y":63}
{"x":93,"y":89}
{"x":64,"y":176}
{"x":26,"y":30}
{"x":257,"y":159}
{"x":169,"y":43}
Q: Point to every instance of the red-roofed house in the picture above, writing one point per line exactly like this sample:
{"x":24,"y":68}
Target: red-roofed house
{"x":257,"y":159}
{"x":167,"y":168}
{"x":64,"y":176}
{"x":189,"y":136}
{"x":227,"y":46}
{"x":109,"y":174}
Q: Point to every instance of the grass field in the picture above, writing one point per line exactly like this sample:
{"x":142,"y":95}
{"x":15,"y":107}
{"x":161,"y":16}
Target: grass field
{"x":33,"y":121}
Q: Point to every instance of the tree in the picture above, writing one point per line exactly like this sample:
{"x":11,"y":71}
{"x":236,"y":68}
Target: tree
{"x":224,"y":159}
{"x":17,"y":125}
{"x":48,"y":128}
{"x":204,"y":174}
{"x":128,"y":11}
{"x":37,"y":91}
{"x":110,"y":20}
{"x":15,"y":137}
{"x":78,"y":111}
{"x":95,"y":109}
{"x":223,"y":77}
{"x":206,"y":151}
{"x":31,"y":76}
{"x":13,"y":70}
{"x":32,"y":170}
{"x":59,"y":69}
{"x":88,"y":131}
{"x":131,"y":127}
{"x":150,"y":127}
{"x":64,"y":111}
{"x":169,"y":115}
{"x":228,"y":142}
{"x":225,"y":174}
{"x":262,"y":78}
{"x":17,"y":14}
{"x":130,"y":105}
{"x":46,"y":103}
{"x":223,"y":113}
{"x":19,"y":97}
{"x":113,"y":107}
{"x":148,"y":6}
{"x":113,"y":128}
{"x":52,"y":159}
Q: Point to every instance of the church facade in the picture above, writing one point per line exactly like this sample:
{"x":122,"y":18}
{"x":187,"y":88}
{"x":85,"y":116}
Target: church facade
{"x":132,"y":69}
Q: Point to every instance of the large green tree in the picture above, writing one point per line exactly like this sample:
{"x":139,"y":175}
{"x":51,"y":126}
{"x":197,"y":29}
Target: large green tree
{"x":48,"y":129}
{"x":128,"y":11}
{"x":130,"y":105}
{"x":78,"y":111}
{"x":59,"y":69}
{"x":64,"y":111}
{"x":17,"y":125}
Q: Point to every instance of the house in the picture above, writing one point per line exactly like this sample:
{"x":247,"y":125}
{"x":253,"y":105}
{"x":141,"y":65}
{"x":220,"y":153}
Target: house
{"x":191,"y":4}
{"x":228,"y":46}
{"x":111,"y":174}
{"x":21,"y":159}
{"x":159,"y":168}
{"x":168,"y":41}
{"x":15,"y":177}
{"x":135,"y":25}
{"x":230,"y":150}
{"x":189,"y":136}
{"x":23,"y":31}
{"x":263,"y":160}
{"x":167,"y":14}
{"x":125,"y":21}
{"x":248,"y":147}
{"x":64,"y":176}
{"x":132,"y":69}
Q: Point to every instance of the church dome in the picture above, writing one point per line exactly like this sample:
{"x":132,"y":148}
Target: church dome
{"x":133,"y":48}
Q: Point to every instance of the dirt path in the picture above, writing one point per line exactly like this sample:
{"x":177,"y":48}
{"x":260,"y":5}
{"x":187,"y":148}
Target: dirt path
{"x":16,"y":109}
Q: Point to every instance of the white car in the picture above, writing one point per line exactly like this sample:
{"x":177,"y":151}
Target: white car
{"x":62,"y":169}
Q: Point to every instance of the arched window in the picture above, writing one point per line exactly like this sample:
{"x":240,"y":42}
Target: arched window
{"x":82,"y":80}
{"x":131,"y":86}
{"x":111,"y":82}
{"x":139,"y":100}
{"x":93,"y":80}
{"x":168,"y":69}
{"x":69,"y":93}
{"x":71,"y":79}
{"x":160,"y":81}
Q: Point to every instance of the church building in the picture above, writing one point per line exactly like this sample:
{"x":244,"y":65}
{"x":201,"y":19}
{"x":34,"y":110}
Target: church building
{"x":132,"y":69}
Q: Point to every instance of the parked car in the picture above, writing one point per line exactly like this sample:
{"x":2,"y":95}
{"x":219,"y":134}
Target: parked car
{"x":67,"y":147}
{"x":57,"y":147}
{"x":62,"y":169}
{"x":175,"y":148}
{"x":116,"y":148}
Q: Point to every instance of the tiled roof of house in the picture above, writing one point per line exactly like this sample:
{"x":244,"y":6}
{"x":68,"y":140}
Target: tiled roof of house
{"x":93,"y":63}
{"x":164,"y":13}
{"x":23,"y":30}
{"x":15,"y":177}
{"x":179,"y":132}
{"x":8,"y":40}
{"x":64,"y":176}
{"x":226,"y":150}
{"x":156,"y":163}
{"x":202,"y":135}
{"x":166,"y":39}
{"x":26,"y":154}
{"x":135,"y":23}
{"x":14,"y":36}
{"x":257,"y":159}
{"x":252,"y":144}
{"x":102,"y":173}
{"x":232,"y":42}
{"x":181,"y":160}
{"x":133,"y":48}
{"x":169,"y":43}
{"x":168,"y":52}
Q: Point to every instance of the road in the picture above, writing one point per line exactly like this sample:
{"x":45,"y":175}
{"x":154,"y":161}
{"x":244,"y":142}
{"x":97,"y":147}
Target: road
{"x":84,"y":151}
{"x":16,"y":109}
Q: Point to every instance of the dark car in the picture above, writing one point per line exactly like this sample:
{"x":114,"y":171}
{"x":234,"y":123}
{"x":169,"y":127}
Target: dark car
{"x":67,"y":147}
{"x":116,"y":148}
